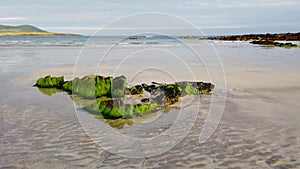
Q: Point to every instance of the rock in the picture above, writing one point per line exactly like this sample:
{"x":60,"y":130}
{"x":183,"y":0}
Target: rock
{"x":285,"y":45}
{"x":109,"y":91}
{"x":268,"y":36}
{"x":263,"y":42}
{"x":273,"y":43}
{"x":95,"y":86}
{"x":118,"y":87}
{"x":166,"y":94}
{"x":135,"y":90}
{"x":67,"y":86}
{"x":148,"y":88}
{"x":50,"y":82}
{"x":195,"y":88}
{"x":102,"y":86}
{"x":147,"y":100}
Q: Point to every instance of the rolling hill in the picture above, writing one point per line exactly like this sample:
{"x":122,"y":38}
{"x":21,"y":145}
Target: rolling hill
{"x":29,"y":30}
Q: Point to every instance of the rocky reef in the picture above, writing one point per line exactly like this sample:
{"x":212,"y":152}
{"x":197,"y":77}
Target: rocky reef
{"x":261,"y":39}
{"x":273,"y":43}
{"x":267,"y":36}
{"x":104,"y":96}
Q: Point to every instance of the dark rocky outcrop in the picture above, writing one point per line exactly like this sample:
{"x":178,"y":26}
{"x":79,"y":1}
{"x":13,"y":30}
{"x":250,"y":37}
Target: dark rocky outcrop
{"x":135,"y":90}
{"x":268,"y":36}
{"x":273,"y":43}
{"x":262,"y":39}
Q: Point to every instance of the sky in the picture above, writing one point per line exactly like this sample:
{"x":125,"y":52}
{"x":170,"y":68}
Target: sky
{"x":213,"y":17}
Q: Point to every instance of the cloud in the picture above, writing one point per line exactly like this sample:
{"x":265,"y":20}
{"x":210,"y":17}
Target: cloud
{"x":4,"y":19}
{"x":208,"y":4}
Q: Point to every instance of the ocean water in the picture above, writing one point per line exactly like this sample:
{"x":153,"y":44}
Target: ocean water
{"x":28,"y":52}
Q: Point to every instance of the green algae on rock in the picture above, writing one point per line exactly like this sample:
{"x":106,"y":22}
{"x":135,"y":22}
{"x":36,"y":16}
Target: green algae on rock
{"x":91,"y":86}
{"x":103,"y":96}
{"x":135,"y":90}
{"x":50,"y":82}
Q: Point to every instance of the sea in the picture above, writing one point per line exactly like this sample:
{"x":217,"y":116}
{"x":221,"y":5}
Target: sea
{"x":37,"y":51}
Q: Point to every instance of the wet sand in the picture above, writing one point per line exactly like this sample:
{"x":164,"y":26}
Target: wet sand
{"x":259,"y":128}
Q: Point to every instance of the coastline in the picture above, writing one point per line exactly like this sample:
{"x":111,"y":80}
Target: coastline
{"x":35,"y":34}
{"x":250,"y":37}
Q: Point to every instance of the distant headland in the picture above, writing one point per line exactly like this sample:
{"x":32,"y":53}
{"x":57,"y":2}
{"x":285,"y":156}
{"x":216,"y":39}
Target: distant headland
{"x":28,"y":30}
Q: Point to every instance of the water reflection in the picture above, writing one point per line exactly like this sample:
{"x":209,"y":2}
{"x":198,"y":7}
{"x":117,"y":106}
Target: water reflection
{"x":91,"y":106}
{"x":50,"y":91}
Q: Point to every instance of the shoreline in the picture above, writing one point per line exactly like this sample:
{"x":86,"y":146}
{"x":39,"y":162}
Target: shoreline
{"x":3,"y":34}
{"x":250,"y":37}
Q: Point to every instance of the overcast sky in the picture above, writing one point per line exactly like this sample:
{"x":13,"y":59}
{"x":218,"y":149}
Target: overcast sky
{"x":211,"y":16}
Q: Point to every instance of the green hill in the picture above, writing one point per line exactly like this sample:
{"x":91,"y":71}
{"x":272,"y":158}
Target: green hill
{"x":21,"y":28}
{"x":28,"y":30}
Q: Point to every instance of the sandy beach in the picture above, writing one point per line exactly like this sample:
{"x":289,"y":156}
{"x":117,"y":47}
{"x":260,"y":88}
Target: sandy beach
{"x":259,"y":127}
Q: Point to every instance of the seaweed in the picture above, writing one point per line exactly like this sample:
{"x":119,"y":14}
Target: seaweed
{"x":103,"y":96}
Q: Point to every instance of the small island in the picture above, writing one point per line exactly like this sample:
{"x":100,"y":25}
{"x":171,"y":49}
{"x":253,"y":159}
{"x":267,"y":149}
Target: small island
{"x":28,"y":30}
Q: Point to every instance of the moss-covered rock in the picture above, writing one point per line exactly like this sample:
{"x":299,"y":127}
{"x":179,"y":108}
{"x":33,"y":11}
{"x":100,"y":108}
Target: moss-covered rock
{"x":195,"y":88}
{"x":102,"y":96}
{"x":50,"y":82}
{"x":118,"y":87}
{"x":135,"y":90}
{"x":95,"y":86}
{"x":103,"y":86}
{"x":67,"y":86}
{"x":166,"y":94}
